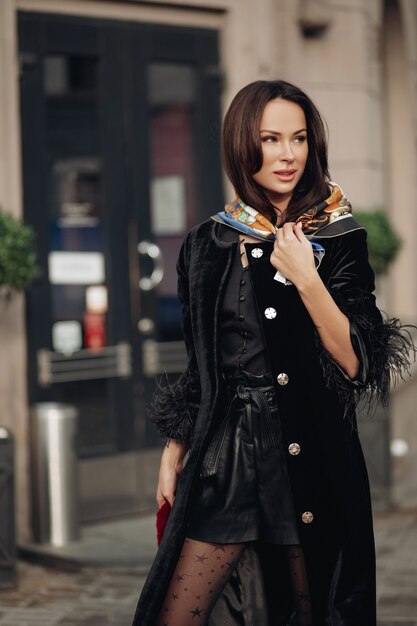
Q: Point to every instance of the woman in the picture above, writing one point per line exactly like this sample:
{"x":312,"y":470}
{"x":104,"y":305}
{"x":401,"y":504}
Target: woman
{"x":271,"y":520}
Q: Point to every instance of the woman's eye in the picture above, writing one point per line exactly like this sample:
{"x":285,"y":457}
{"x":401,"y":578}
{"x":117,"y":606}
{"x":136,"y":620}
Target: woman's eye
{"x":273,"y":139}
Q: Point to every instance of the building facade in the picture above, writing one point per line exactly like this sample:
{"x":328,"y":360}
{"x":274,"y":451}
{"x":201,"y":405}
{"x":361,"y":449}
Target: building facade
{"x":110,"y":115}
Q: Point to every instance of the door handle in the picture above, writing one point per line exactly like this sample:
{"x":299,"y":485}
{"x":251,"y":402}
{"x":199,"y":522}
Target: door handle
{"x":146,"y":326}
{"x":147,"y":283}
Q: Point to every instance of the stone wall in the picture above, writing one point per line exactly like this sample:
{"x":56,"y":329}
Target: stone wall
{"x":13,"y":398}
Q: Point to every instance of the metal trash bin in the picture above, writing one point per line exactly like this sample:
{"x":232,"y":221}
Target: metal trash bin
{"x":54,"y":473}
{"x":7,"y":511}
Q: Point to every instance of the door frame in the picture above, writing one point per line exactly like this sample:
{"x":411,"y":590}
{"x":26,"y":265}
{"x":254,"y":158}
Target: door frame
{"x":96,"y":500}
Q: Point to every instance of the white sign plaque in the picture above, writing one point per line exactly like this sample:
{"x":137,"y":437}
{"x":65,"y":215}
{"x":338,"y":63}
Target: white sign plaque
{"x":76,"y":268}
{"x":67,"y":336}
{"x":168,"y":214}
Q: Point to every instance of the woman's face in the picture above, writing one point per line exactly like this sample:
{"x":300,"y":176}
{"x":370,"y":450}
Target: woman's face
{"x":283,"y":133}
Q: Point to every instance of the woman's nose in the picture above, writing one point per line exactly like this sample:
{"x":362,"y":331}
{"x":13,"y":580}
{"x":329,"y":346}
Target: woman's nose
{"x":286,"y":154}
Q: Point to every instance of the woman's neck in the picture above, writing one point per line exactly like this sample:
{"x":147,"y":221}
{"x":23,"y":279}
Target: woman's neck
{"x":280,"y":202}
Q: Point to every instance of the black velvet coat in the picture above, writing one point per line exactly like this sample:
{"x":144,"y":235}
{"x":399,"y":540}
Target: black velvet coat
{"x":317,"y":409}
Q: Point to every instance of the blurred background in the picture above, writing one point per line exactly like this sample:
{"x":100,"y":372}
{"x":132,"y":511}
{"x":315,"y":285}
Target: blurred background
{"x":110,"y":114}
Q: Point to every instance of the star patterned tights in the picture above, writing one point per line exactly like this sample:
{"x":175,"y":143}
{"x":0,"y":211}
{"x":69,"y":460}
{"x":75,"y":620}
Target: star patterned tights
{"x":203,"y":570}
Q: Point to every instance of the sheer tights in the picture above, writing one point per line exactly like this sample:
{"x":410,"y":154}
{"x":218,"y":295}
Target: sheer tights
{"x":199,"y":577}
{"x":203,"y":570}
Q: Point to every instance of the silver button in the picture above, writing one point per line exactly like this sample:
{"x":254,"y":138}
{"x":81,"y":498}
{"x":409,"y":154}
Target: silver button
{"x":282,"y":378}
{"x":270,"y":312}
{"x":307,"y":517}
{"x":257,"y":253}
{"x":294,"y":449}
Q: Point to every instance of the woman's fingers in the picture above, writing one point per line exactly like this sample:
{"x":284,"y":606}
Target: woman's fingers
{"x":170,"y":497}
{"x":292,"y":252}
{"x":169,"y":470}
{"x":159,"y":498}
{"x":167,"y":486}
{"x":298,"y":231}
{"x":288,"y":230}
{"x":164,"y":494}
{"x":285,"y":234}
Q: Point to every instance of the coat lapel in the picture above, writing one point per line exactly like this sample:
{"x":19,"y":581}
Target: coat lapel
{"x":212,"y":258}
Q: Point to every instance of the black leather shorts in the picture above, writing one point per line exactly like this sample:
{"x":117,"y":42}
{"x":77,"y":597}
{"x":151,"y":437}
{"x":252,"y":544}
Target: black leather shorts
{"x":243,"y":492}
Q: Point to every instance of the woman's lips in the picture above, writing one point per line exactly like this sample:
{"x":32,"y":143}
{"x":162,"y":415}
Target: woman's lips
{"x":286,"y":177}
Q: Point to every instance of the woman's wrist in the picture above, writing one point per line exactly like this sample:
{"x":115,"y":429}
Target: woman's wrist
{"x":174,"y":452}
{"x":308,"y":281}
{"x":175,"y":444}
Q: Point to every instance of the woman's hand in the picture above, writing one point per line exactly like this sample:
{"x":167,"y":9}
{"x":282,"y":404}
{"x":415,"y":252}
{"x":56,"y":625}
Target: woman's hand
{"x":169,"y":470}
{"x":293,"y":254}
{"x":293,"y":257}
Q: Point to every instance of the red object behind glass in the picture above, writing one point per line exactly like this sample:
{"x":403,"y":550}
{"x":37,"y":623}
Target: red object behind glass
{"x":94,"y":331}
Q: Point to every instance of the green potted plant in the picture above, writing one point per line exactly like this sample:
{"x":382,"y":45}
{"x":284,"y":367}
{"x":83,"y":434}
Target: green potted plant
{"x":17,"y":256}
{"x":383,"y":242}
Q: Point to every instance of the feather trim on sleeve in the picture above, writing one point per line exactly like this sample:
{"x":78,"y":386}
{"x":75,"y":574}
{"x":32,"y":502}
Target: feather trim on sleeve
{"x":385,"y":349}
{"x":335,"y":378}
{"x":174,"y":406}
{"x":391,"y":351}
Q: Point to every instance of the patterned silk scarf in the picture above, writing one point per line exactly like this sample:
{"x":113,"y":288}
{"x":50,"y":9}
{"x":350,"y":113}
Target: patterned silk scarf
{"x":248,"y":220}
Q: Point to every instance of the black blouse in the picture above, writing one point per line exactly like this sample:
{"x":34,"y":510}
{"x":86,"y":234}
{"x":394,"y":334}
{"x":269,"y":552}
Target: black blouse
{"x":242,"y":345}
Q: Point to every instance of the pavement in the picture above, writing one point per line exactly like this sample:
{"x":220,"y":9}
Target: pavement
{"x":89,"y":597}
{"x":124,"y":542}
{"x":57,"y":591}
{"x":396,"y":546}
{"x":96,"y":581}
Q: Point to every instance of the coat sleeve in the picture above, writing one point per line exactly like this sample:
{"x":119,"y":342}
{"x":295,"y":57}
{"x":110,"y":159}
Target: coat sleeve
{"x":383,"y":346}
{"x":175,"y":406}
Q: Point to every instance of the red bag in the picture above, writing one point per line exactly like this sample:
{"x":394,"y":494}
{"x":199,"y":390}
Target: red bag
{"x":162,"y":515}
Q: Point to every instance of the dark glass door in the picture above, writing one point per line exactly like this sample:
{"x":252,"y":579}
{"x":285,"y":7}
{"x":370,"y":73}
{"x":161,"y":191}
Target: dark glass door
{"x":120,"y":126}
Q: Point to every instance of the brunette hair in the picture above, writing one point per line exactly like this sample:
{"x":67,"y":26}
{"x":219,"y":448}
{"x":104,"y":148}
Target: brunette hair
{"x":242,"y":148}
